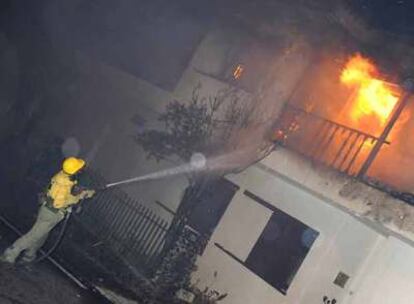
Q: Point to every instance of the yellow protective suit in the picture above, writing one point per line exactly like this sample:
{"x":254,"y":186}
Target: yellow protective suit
{"x":60,"y":191}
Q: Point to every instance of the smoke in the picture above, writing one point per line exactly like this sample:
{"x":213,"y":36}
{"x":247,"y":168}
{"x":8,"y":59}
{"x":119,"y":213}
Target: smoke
{"x":155,"y":41}
{"x":198,"y":164}
{"x":70,"y":147}
{"x":90,"y":157}
{"x":322,"y":93}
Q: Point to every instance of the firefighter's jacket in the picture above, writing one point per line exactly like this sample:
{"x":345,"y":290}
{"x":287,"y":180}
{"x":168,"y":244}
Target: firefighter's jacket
{"x":60,"y":191}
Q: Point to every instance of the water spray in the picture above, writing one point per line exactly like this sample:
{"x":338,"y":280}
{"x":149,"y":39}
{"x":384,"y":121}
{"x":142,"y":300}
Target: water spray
{"x":197,"y":163}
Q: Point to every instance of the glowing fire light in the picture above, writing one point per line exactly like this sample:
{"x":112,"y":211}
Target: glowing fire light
{"x":238,"y":71}
{"x":374,"y":99}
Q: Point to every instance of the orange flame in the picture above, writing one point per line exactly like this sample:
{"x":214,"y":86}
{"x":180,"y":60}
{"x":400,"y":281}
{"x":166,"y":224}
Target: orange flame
{"x":238,"y":71}
{"x":374,"y":100}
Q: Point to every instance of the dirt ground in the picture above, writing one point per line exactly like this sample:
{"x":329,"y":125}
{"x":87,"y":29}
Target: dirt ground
{"x":41,"y":283}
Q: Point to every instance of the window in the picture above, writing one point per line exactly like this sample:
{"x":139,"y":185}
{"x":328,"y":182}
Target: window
{"x":242,"y":59}
{"x":213,"y":201}
{"x":238,"y":71}
{"x":280,"y":250}
{"x":248,"y":63}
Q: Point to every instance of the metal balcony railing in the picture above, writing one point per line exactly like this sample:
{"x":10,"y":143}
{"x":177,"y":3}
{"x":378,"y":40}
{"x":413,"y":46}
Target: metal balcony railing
{"x":324,"y":141}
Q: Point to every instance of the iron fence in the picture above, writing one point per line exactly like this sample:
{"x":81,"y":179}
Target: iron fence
{"x":324,"y":141}
{"x":130,"y":230}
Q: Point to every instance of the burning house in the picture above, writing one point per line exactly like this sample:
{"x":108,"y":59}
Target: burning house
{"x":344,"y":130}
{"x":306,"y":224}
{"x":323,"y":211}
{"x":327,"y":217}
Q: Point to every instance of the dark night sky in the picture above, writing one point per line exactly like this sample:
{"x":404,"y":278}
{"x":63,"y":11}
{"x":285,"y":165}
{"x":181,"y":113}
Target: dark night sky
{"x":394,"y":15}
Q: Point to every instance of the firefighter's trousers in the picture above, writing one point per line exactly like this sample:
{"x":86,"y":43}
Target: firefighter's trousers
{"x":33,"y":240}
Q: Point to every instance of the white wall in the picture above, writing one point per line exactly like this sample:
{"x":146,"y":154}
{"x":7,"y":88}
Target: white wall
{"x":344,"y":244}
{"x":372,"y":205}
{"x":388,"y":278}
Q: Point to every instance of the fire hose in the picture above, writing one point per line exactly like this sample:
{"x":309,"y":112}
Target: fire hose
{"x":78,"y":189}
{"x":62,"y":231}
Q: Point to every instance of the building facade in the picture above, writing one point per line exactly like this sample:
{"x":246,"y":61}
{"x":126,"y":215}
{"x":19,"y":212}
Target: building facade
{"x":285,"y":241}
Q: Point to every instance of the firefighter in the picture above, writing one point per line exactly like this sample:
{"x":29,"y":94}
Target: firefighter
{"x":56,"y":204}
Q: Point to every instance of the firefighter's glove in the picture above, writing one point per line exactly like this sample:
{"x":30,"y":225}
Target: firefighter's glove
{"x":88,"y":193}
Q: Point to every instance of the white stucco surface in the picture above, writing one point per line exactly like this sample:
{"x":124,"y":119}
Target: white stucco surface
{"x":389,"y":276}
{"x":343,"y":244}
{"x":371,"y":205}
{"x":379,"y":265}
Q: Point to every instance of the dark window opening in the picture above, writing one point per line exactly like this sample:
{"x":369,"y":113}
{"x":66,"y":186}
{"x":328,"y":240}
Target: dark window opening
{"x":244,"y":60}
{"x":212,"y":204}
{"x":279,"y":252}
{"x":248,"y":63}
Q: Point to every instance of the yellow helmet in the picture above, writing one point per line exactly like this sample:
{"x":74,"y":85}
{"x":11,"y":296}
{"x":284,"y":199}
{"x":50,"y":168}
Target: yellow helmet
{"x":71,"y":165}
